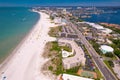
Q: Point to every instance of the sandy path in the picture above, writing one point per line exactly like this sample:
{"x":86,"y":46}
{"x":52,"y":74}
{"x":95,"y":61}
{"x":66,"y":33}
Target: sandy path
{"x":27,"y":60}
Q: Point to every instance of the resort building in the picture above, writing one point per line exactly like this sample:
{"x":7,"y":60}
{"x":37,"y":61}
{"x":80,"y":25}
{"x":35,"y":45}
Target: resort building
{"x":76,"y":60}
{"x":68,"y":32}
{"x":106,"y":49}
{"x":59,"y":20}
{"x":66,"y":54}
{"x":99,"y":27}
{"x":72,"y":77}
{"x":68,"y":35}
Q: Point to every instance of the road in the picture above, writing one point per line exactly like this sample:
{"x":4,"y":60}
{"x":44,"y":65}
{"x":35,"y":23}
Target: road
{"x":108,"y":75}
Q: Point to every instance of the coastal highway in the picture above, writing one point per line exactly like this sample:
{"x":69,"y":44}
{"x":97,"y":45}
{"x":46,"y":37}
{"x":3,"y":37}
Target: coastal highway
{"x":108,"y":75}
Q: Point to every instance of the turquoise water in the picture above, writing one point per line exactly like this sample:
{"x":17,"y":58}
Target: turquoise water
{"x":15,"y":23}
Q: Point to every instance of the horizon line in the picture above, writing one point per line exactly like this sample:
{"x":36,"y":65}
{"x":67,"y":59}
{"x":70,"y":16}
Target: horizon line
{"x":60,"y":6}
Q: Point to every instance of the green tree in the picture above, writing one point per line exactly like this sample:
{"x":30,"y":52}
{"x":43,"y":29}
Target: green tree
{"x":109,"y":54}
{"x":111,"y":63}
{"x":50,"y":68}
{"x":116,"y":42}
{"x":117,"y":52}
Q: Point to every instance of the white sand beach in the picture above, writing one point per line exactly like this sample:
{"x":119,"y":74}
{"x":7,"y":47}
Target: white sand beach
{"x":27,"y":61}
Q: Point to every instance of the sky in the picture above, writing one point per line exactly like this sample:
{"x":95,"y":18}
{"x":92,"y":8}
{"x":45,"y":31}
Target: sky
{"x":59,"y":2}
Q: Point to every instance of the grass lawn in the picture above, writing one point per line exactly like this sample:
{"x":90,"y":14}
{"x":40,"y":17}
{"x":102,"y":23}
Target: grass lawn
{"x":55,"y":46}
{"x":66,"y":48}
{"x":54,"y":31}
{"x":53,"y":51}
{"x":107,"y":64}
{"x":99,"y":75}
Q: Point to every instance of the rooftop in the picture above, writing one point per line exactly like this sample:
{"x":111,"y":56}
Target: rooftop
{"x":99,"y":27}
{"x":79,"y":56}
{"x":105,"y":48}
{"x":72,"y":77}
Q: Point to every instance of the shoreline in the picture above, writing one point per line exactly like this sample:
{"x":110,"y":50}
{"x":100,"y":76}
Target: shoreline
{"x":26,"y":57}
{"x":10,"y":55}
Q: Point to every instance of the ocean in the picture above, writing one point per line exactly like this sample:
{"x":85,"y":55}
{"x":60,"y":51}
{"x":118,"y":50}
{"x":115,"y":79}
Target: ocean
{"x":15,"y":23}
{"x":111,"y":15}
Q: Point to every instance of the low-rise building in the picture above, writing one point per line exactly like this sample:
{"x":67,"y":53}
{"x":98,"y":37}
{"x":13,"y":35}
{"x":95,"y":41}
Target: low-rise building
{"x":68,"y":35}
{"x":66,"y":54}
{"x":77,"y":59}
{"x":59,"y":20}
{"x":99,"y":27}
{"x":72,"y":77}
{"x":106,"y":49}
